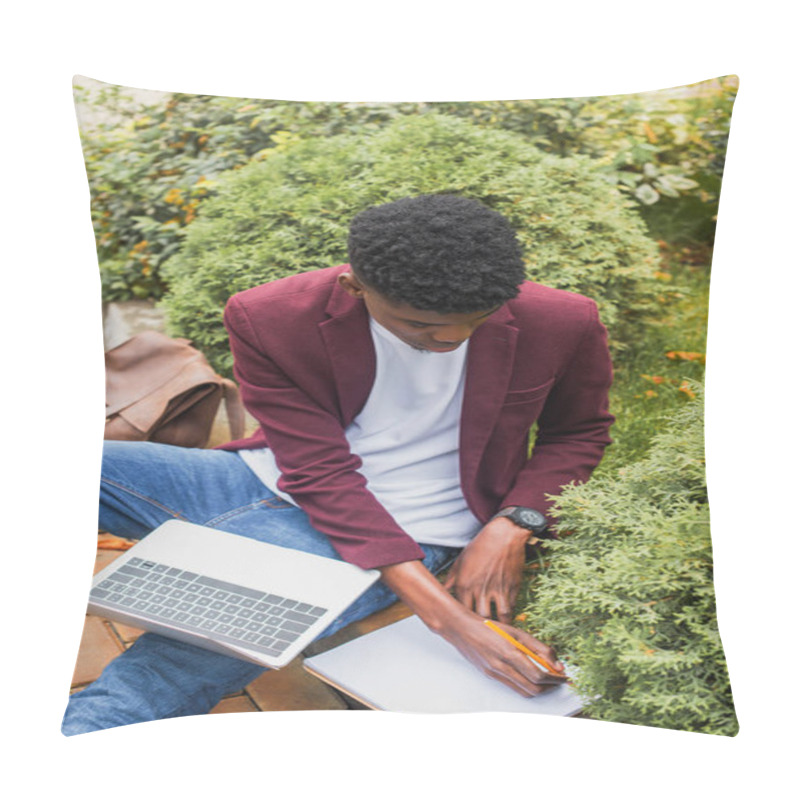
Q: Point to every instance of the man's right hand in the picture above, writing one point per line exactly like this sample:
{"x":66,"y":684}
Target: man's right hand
{"x":468,"y":633}
{"x":499,"y":659}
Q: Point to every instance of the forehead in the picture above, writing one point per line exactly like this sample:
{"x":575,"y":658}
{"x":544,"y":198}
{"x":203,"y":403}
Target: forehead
{"x":406,"y":313}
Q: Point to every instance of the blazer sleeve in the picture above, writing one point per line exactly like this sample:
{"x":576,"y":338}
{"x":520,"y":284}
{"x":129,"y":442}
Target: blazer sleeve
{"x":319,"y":470}
{"x":573,"y":428}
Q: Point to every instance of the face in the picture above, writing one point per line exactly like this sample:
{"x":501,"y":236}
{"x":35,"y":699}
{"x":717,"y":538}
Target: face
{"x":429,"y":331}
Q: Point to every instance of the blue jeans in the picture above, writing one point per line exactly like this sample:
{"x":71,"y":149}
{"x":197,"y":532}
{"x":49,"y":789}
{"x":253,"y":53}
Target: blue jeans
{"x":145,"y":484}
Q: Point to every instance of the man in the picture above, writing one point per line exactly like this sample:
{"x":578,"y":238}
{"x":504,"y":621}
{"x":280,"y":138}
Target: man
{"x":395,"y":396}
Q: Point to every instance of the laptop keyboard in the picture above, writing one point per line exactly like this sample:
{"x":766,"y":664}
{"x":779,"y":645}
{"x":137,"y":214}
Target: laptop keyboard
{"x":266,"y":623}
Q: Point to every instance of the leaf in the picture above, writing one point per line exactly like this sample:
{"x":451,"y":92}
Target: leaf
{"x":646,"y":194}
{"x":678,"y":183}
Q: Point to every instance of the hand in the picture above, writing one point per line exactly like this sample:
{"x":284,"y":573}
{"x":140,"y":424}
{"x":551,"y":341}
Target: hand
{"x":489,"y":570}
{"x":468,"y":633}
{"x":499,"y":659}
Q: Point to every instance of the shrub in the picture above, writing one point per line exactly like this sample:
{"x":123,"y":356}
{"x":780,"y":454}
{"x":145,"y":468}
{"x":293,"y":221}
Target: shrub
{"x":665,"y":149}
{"x":290,"y":213}
{"x":151,"y":165}
{"x":629,"y":593}
{"x":655,"y":375}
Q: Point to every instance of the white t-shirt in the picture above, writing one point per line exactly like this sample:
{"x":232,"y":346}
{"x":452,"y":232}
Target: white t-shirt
{"x":407,"y":436}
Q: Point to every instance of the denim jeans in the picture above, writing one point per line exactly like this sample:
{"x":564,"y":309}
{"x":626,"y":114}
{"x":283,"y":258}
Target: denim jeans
{"x":145,"y":484}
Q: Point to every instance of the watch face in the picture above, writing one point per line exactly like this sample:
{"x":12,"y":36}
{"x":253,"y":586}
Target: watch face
{"x":530,"y":517}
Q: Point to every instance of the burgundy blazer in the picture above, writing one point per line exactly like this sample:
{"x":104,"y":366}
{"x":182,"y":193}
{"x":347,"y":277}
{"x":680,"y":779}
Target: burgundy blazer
{"x":305,"y":363}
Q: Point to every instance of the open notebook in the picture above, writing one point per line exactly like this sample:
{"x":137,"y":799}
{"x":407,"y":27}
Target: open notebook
{"x":405,"y":667}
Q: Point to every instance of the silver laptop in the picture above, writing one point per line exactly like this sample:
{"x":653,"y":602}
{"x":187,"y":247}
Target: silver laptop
{"x":227,"y":593}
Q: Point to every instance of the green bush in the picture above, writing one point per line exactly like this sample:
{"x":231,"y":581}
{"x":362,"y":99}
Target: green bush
{"x":629,"y":593}
{"x":151,"y":165}
{"x":655,"y":375}
{"x":290,"y":213}
{"x":665,"y":149}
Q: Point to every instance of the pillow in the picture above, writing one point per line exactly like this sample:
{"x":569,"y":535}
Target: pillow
{"x":196,"y":198}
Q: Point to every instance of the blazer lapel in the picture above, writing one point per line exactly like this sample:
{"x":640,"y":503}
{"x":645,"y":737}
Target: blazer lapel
{"x":489,"y":368}
{"x":350,"y":350}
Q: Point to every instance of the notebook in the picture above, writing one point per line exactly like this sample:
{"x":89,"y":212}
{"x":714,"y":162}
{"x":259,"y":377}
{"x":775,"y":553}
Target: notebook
{"x":227,"y":593}
{"x":405,"y":667}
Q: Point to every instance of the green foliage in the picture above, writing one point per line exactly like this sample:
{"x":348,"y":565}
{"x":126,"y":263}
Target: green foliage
{"x":654,"y":376}
{"x":152,"y":165}
{"x":290,"y":212}
{"x":666,"y":149}
{"x":629,"y":592}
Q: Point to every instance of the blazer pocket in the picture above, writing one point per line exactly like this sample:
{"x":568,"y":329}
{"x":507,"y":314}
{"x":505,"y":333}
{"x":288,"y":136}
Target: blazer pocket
{"x":523,"y":396}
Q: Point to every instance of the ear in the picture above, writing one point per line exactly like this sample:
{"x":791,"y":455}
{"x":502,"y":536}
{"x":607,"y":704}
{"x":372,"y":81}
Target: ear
{"x":351,"y":284}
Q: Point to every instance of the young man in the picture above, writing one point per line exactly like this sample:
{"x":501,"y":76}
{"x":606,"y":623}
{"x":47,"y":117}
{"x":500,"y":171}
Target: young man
{"x":395,"y":396}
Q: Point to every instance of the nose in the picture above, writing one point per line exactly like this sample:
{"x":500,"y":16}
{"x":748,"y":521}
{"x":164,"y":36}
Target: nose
{"x":452,"y":335}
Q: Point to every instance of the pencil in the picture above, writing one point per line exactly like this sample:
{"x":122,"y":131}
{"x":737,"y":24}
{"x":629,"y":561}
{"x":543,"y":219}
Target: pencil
{"x":538,"y":659}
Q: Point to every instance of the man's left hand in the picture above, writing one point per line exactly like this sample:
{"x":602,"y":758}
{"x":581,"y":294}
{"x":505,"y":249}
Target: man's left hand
{"x":489,"y":570}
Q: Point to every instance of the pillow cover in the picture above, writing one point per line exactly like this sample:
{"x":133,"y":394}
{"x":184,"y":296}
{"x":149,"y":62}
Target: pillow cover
{"x":195,"y":198}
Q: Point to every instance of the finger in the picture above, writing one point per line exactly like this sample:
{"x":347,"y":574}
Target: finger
{"x":542,"y":650}
{"x":545,"y":653}
{"x":504,"y":606}
{"x":519,"y":668}
{"x":483,"y":605}
{"x":536,"y":673}
{"x":524,"y":676}
{"x":525,"y":689}
{"x":464,"y":596}
{"x":500,"y":670}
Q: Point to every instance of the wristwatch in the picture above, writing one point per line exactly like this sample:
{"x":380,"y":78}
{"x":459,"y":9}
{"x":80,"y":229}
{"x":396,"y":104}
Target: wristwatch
{"x":528,"y":518}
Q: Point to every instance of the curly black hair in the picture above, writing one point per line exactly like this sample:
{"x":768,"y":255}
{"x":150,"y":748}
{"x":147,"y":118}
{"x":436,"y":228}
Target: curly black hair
{"x":437,"y":253}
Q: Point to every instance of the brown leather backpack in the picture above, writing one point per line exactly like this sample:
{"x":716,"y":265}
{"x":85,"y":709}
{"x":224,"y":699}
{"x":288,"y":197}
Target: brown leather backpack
{"x":161,"y":389}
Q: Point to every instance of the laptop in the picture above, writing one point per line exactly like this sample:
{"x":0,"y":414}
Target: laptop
{"x":227,"y":593}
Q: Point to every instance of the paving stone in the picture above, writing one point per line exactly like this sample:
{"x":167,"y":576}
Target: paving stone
{"x":233,"y":705}
{"x":125,"y":632}
{"x":98,"y":647}
{"x":104,"y":558}
{"x":292,"y":689}
{"x":387,"y":616}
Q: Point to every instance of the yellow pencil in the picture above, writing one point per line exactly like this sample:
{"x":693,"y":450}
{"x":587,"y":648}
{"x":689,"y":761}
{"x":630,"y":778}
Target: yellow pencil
{"x":521,"y":647}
